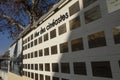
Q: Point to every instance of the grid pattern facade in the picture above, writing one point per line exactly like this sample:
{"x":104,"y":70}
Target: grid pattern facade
{"x":84,"y":46}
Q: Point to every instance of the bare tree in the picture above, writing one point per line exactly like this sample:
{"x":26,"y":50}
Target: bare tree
{"x":15,"y":15}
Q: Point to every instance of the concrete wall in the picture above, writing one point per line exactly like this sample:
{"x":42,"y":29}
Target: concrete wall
{"x":4,"y":75}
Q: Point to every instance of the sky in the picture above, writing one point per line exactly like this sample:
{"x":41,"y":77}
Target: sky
{"x":4,"y":42}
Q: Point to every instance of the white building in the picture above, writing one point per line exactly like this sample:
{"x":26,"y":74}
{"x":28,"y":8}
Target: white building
{"x":75,"y":40}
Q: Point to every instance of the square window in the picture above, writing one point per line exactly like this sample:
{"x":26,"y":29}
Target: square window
{"x":46,"y":51}
{"x":62,"y":29}
{"x":54,"y":49}
{"x":101,"y":69}
{"x":55,"y":78}
{"x":65,"y":68}
{"x":92,"y":14}
{"x":53,"y":34}
{"x":74,"y":8}
{"x":41,"y":67}
{"x":47,"y":67}
{"x":88,"y":2}
{"x":116,"y":35}
{"x":41,"y":77}
{"x":80,"y":68}
{"x":46,"y":37}
{"x":47,"y":77}
{"x":77,"y":44}
{"x":40,"y":52}
{"x":55,"y":67}
{"x":74,"y":23}
{"x":64,"y":47}
{"x":96,"y":40}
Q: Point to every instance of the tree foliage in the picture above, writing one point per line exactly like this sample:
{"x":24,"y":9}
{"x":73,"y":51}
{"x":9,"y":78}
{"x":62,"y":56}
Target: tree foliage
{"x":15,"y":15}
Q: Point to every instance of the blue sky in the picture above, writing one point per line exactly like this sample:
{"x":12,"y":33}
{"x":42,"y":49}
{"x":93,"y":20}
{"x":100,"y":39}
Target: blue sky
{"x":4,"y":42}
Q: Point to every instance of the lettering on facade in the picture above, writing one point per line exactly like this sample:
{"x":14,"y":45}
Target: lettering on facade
{"x":54,"y":22}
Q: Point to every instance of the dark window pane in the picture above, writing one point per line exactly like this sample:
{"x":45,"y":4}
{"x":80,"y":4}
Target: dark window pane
{"x":55,"y":67}
{"x":65,"y":68}
{"x":53,"y":34}
{"x":47,"y":67}
{"x":36,"y":76}
{"x":28,"y":55}
{"x":47,"y":77}
{"x":54,"y":49}
{"x":41,"y":67}
{"x":64,"y":47}
{"x":46,"y":37}
{"x":80,"y":68}
{"x":88,"y":2}
{"x":28,"y":45}
{"x":31,"y":36}
{"x":62,"y":29}
{"x":36,"y":53}
{"x":36,"y":66}
{"x":28,"y":74}
{"x":32,"y":75}
{"x":35,"y":42}
{"x":77,"y":44}
{"x":40,"y":40}
{"x":32,"y":44}
{"x":75,"y":23}
{"x":28,"y":39}
{"x":64,"y":79}
{"x":32,"y":55}
{"x":74,"y":8}
{"x":55,"y":78}
{"x":97,"y":40}
{"x":40,"y":52}
{"x":32,"y":67}
{"x":41,"y":77}
{"x":25,"y":40}
{"x":116,"y":35}
{"x":28,"y":66}
{"x":101,"y":69}
{"x":46,"y":51}
{"x":92,"y":14}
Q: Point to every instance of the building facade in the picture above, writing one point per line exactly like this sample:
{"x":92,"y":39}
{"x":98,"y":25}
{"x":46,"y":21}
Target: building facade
{"x":77,"y":40}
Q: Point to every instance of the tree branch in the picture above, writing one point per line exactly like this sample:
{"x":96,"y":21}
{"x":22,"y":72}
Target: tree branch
{"x":12,"y":21}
